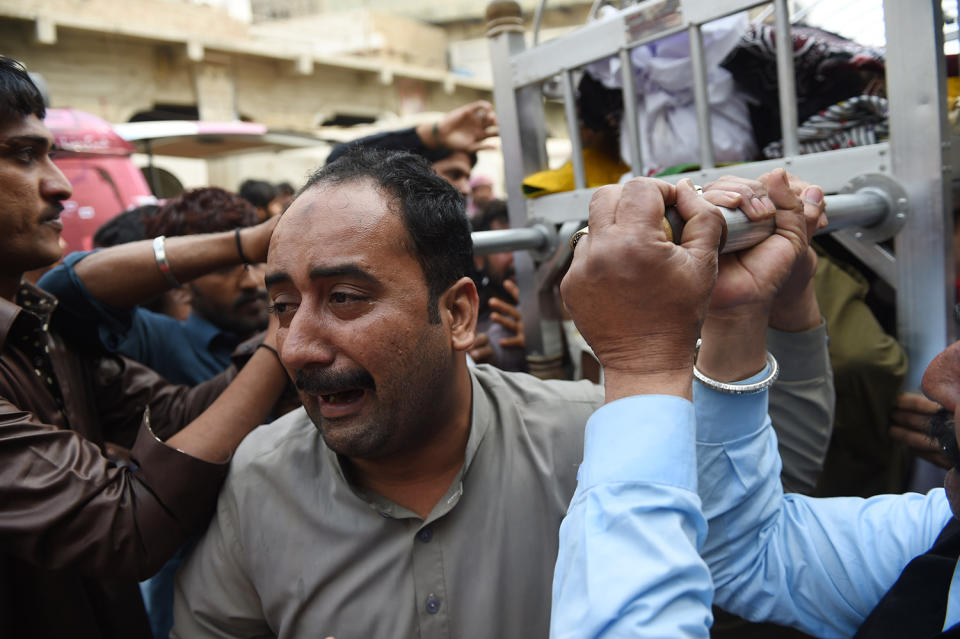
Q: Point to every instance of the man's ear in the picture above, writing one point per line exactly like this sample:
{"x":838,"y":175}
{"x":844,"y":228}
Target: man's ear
{"x":459,"y":305}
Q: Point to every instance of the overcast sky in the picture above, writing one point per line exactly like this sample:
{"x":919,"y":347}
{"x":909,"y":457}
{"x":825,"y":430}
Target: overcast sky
{"x":862,"y":20}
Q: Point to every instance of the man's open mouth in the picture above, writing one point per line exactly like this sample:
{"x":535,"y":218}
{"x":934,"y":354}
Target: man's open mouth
{"x":339,"y":393}
{"x":342,"y":397}
{"x":51,"y":215}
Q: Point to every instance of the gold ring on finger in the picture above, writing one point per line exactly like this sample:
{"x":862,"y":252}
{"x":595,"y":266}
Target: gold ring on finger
{"x":576,"y":237}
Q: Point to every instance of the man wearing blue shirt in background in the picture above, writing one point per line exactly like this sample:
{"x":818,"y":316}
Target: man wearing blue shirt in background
{"x":658,"y":468}
{"x":227,"y":305}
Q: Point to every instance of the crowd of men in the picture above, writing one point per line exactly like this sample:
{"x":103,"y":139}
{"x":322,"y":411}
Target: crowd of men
{"x":407,"y":490}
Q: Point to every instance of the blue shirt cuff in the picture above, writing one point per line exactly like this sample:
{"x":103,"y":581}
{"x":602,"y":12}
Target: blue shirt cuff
{"x":722,"y":417}
{"x":641,"y":438}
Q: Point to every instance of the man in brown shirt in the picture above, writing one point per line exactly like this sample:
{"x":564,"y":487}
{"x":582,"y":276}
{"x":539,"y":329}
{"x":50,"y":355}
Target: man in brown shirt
{"x":76,"y":528}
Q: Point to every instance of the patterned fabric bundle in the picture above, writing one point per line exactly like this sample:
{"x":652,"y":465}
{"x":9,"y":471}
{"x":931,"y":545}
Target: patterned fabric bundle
{"x":829,"y":69}
{"x":855,"y":122}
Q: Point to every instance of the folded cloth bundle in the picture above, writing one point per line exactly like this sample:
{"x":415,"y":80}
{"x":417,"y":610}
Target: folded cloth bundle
{"x":855,"y":122}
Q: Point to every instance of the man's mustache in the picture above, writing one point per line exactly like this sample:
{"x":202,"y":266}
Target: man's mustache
{"x":53,"y":211}
{"x":942,"y":431}
{"x":324,"y":381}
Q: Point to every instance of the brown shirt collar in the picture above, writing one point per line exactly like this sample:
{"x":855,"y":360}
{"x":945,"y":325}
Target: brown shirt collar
{"x":38,"y":303}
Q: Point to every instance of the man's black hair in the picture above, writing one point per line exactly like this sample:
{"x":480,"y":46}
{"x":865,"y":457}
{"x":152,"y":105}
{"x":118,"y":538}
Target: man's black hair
{"x":599,"y":108}
{"x":431,"y":209}
{"x":208,"y":209}
{"x":124,"y":228}
{"x":258,"y":192}
{"x":19,"y":96}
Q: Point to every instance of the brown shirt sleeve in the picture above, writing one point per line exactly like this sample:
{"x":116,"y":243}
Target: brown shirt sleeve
{"x":125,"y":388}
{"x":66,"y":506}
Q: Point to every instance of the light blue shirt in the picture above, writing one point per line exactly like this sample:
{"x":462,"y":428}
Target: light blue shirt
{"x":820,"y":565}
{"x":629,"y":565}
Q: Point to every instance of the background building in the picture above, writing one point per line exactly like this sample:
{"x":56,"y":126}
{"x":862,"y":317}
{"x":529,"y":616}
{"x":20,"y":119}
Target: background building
{"x":336,"y":70}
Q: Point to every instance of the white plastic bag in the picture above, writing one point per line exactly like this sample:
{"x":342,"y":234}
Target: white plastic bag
{"x":666,"y":113}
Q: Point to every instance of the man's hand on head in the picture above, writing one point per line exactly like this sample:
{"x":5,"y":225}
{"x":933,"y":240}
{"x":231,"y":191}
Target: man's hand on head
{"x":637,"y":297}
{"x":255,"y":240}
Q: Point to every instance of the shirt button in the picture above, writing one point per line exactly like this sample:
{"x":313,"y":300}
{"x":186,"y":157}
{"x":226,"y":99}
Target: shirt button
{"x":425,"y":535}
{"x":433,"y":604}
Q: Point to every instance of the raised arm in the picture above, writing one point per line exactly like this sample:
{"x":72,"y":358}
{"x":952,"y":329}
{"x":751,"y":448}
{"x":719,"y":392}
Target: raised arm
{"x":820,"y":565}
{"x":466,"y":128}
{"x":128,"y":274}
{"x":628,"y":562}
{"x":463,"y":129}
{"x":756,"y":299}
{"x":70,"y":507}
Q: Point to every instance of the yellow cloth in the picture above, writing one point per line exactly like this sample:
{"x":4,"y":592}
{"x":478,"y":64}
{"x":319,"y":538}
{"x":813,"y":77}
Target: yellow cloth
{"x":599,"y":169}
{"x":953,"y":89}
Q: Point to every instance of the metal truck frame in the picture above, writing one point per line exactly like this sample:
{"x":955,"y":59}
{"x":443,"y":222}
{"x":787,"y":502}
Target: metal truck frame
{"x":900,"y":188}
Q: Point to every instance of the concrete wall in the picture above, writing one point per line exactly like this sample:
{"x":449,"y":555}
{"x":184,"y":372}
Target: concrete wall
{"x":361,"y":33}
{"x":108,"y":76}
{"x":426,"y":10}
{"x":115,"y":77}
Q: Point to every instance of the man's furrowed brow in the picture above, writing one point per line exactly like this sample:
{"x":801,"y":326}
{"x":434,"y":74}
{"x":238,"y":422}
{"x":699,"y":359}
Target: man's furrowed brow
{"x":345,"y":270}
{"x":272,"y":279}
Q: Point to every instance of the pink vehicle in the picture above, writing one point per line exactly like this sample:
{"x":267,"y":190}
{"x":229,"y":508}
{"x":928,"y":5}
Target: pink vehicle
{"x":97,"y":162}
{"x":95,"y":157}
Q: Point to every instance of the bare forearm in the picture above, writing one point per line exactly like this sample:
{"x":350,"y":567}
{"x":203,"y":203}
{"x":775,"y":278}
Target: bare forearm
{"x":128,"y":274}
{"x":802,"y":313}
{"x":733,"y":348}
{"x":244,"y":405}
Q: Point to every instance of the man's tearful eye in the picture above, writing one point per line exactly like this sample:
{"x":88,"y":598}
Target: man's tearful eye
{"x":280,"y":308}
{"x":345,"y":297}
{"x":941,"y":430}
